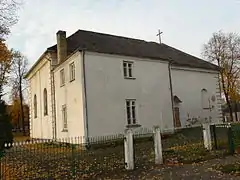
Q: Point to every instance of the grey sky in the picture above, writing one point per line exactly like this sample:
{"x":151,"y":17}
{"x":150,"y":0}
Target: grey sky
{"x":186,"y":24}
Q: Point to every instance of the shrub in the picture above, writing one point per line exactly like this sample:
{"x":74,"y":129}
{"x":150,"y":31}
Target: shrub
{"x":6,"y":135}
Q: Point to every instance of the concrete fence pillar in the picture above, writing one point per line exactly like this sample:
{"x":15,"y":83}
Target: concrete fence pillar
{"x":128,"y":149}
{"x":207,"y":136}
{"x":158,"y":145}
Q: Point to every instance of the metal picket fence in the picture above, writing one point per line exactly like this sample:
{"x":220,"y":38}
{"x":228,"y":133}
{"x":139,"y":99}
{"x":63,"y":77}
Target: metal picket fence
{"x":68,"y":158}
{"x":103,"y":157}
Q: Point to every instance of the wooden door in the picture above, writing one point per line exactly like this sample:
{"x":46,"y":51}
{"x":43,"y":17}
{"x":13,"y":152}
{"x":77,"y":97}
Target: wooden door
{"x":177,"y":122}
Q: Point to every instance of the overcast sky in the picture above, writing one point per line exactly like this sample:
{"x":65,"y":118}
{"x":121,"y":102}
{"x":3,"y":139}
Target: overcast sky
{"x":186,"y":24}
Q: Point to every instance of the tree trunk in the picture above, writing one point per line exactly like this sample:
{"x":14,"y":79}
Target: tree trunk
{"x":230,"y":109}
{"x":236,"y":110}
{"x":226,"y":95}
{"x":21,"y":105}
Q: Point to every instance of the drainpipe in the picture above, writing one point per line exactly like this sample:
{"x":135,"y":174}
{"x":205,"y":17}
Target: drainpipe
{"x":171,"y":89}
{"x":86,"y":130}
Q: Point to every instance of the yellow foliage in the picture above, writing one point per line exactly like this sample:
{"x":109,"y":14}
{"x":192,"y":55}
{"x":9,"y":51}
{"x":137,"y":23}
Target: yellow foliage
{"x":15,"y":111}
{"x":5,"y":62}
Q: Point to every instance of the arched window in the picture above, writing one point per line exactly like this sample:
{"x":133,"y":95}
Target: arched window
{"x":45,"y":102}
{"x":205,"y":99}
{"x":35,"y":105}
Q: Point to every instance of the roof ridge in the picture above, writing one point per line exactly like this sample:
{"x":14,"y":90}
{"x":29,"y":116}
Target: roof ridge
{"x":112,"y":35}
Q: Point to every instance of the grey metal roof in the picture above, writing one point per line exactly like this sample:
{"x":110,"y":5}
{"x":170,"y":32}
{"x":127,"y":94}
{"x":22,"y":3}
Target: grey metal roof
{"x":111,"y":44}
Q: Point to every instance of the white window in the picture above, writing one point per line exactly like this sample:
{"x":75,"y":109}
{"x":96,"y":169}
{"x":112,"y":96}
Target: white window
{"x":62,"y":77}
{"x":64,"y":117}
{"x":128,"y":69}
{"x":72,"y":71}
{"x":205,"y":99}
{"x":131,"y":111}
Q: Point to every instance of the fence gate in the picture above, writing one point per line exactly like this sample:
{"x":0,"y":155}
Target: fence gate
{"x":236,"y":137}
{"x":222,"y":137}
{"x":143,"y":143}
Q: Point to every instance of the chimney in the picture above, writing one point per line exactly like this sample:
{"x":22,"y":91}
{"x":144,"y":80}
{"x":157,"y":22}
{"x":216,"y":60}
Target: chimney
{"x":61,"y":46}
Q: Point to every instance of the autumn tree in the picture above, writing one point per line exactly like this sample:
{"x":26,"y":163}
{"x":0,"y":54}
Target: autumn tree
{"x":224,"y":50}
{"x":8,"y":9}
{"x":18,"y":71}
{"x":7,"y":19}
{"x":5,"y":65}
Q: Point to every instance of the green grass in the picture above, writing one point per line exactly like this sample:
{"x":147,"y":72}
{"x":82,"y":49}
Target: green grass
{"x":192,"y":153}
{"x":230,"y":168}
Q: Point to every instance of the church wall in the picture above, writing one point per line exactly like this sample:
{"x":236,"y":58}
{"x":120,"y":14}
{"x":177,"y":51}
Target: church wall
{"x":107,"y":91}
{"x":187,"y":85}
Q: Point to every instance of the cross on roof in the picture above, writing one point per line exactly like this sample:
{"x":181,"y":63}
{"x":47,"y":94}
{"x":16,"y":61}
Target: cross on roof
{"x":159,"y":35}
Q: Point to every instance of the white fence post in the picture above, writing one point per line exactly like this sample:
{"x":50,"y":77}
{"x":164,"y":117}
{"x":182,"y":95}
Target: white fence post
{"x":129,"y":151}
{"x":158,"y":145}
{"x":207,"y":136}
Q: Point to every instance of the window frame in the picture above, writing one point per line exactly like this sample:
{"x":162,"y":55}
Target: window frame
{"x":64,"y":118}
{"x":72,"y":72}
{"x":205,"y":99}
{"x":128,"y":67}
{"x":62,"y":77}
{"x":45,"y":102}
{"x":131,"y":112}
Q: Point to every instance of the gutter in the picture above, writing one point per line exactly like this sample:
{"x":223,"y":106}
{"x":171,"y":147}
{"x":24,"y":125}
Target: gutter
{"x":86,"y":129}
{"x":171,"y":89}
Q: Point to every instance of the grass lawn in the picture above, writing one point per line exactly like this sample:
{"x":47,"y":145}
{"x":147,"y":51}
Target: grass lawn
{"x":101,"y":161}
{"x":230,"y":168}
{"x":192,"y":153}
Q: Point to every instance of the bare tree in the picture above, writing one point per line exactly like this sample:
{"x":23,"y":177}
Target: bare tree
{"x":8,"y":9}
{"x":18,"y":71}
{"x":8,"y":17}
{"x":224,"y":50}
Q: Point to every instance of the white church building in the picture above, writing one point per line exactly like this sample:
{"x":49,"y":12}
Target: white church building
{"x":92,"y":84}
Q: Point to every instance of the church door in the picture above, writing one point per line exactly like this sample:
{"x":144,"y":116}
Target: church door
{"x":177,"y":122}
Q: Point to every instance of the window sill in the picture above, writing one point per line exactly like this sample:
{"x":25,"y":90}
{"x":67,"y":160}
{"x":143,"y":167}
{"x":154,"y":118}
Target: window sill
{"x":72,"y":80}
{"x":64,"y":130}
{"x":130,"y":78}
{"x":133,"y":125}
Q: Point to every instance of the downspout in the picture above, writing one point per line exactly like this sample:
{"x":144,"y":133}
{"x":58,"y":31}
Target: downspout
{"x":86,"y":130}
{"x":171,"y":90}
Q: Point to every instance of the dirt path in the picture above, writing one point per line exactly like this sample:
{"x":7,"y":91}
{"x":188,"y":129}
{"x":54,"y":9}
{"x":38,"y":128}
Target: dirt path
{"x":204,"y":171}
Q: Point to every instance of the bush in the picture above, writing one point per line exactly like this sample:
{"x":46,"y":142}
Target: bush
{"x":6,"y":135}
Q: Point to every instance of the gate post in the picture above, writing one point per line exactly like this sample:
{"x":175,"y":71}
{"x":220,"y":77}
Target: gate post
{"x":158,"y":145}
{"x":230,"y":139}
{"x":128,"y":149}
{"x":207,"y":136}
{"x":214,"y":135}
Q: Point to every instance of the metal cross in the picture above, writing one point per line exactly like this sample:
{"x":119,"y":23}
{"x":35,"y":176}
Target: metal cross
{"x":159,"y":35}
